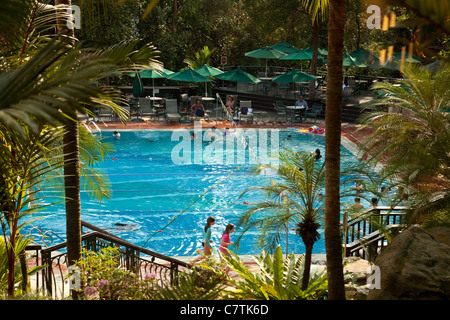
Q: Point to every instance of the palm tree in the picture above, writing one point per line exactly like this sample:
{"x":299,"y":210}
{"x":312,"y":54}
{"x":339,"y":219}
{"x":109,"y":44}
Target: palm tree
{"x":294,"y":199}
{"x":333,"y":240}
{"x":51,"y":82}
{"x":24,"y":165}
{"x":420,"y":125}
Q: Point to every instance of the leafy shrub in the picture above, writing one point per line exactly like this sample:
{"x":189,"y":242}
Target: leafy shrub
{"x":440,"y":218}
{"x":278,"y":279}
{"x":105,"y":279}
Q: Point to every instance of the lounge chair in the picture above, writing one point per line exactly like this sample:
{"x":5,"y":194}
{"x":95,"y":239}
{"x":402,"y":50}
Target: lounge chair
{"x":145,"y":107}
{"x":245,"y":113}
{"x":280,"y":109}
{"x":172,"y":110}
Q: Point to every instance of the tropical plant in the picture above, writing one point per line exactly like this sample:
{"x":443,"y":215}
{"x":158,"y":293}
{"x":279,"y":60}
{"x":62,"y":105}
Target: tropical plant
{"x":278,"y":279}
{"x":294,"y":198}
{"x":53,"y":84}
{"x":24,"y":164}
{"x":13,"y":275}
{"x":421,"y":126}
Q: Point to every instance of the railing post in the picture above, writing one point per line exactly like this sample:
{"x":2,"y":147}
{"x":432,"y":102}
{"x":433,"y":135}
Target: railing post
{"x":345,"y":227}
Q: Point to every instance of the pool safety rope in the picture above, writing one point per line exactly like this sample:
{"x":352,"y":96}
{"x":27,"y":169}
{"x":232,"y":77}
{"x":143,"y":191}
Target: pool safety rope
{"x":247,"y":147}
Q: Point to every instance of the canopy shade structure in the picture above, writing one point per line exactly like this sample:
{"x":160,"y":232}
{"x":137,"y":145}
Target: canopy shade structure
{"x":265,"y":53}
{"x":208,"y":71}
{"x":284,"y":47}
{"x":238,"y":75}
{"x":152,"y":74}
{"x":294,"y":75}
{"x":364,"y":55}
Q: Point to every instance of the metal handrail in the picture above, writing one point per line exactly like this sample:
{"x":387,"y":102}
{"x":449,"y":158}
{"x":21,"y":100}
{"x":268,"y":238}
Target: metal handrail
{"x":53,"y":276}
{"x":363,"y":228}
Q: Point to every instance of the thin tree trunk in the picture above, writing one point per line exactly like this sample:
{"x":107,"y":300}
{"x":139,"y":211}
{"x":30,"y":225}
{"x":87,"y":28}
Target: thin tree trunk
{"x":333,"y":241}
{"x":307,"y":269}
{"x":315,"y":54}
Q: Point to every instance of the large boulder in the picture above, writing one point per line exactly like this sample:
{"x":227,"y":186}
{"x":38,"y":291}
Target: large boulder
{"x":415,"y":265}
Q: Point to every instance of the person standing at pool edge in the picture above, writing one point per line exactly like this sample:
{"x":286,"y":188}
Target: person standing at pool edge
{"x":225,"y":241}
{"x":207,"y":236}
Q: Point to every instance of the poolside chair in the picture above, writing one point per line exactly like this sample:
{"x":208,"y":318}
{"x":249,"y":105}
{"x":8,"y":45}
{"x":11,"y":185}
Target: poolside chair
{"x":280,"y":110}
{"x":172,"y":110}
{"x":245,"y":111}
{"x":104,"y":114}
{"x":145,"y":107}
{"x":283,"y":87}
{"x":313,"y":112}
{"x":347,"y":93}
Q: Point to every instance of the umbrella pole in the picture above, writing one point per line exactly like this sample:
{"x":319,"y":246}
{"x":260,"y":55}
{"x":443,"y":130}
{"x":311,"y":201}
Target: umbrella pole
{"x":153,"y":83}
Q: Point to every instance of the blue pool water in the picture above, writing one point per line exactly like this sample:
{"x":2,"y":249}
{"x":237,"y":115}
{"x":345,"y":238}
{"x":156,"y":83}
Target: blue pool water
{"x":164,"y":205}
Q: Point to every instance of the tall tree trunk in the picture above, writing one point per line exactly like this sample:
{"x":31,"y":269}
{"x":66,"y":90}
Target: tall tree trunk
{"x":71,"y":163}
{"x":333,"y":241}
{"x":315,"y":54}
{"x":72,"y":192}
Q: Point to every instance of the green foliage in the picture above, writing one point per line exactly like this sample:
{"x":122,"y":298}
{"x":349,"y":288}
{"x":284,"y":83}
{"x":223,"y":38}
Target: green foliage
{"x":277,"y":280}
{"x":439,"y":218}
{"x":204,"y":281}
{"x":5,"y":247}
{"x":418,"y":130}
{"x":105,"y":279}
{"x":294,"y":196}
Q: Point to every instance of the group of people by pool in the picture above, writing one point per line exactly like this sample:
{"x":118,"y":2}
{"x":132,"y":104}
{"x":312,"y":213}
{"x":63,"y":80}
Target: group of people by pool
{"x":225,"y":240}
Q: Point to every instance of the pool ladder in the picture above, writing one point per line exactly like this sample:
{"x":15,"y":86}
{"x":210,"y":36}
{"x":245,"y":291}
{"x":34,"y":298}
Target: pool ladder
{"x":87,"y":125}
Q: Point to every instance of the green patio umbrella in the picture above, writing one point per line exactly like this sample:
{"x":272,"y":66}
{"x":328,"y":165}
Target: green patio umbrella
{"x":265,"y":53}
{"x":349,"y":61}
{"x":138,"y":88}
{"x":152,"y":74}
{"x":294,"y":75}
{"x":391,"y":64}
{"x":413,"y":58}
{"x":188,"y":75}
{"x":364,"y":55}
{"x":433,"y":67}
{"x":208,"y":71}
{"x":300,"y":55}
{"x":322,"y":51}
{"x":238,"y":75}
{"x":284,"y":47}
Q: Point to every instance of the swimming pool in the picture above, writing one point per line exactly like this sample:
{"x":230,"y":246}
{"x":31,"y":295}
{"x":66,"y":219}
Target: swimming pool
{"x":162,"y":204}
